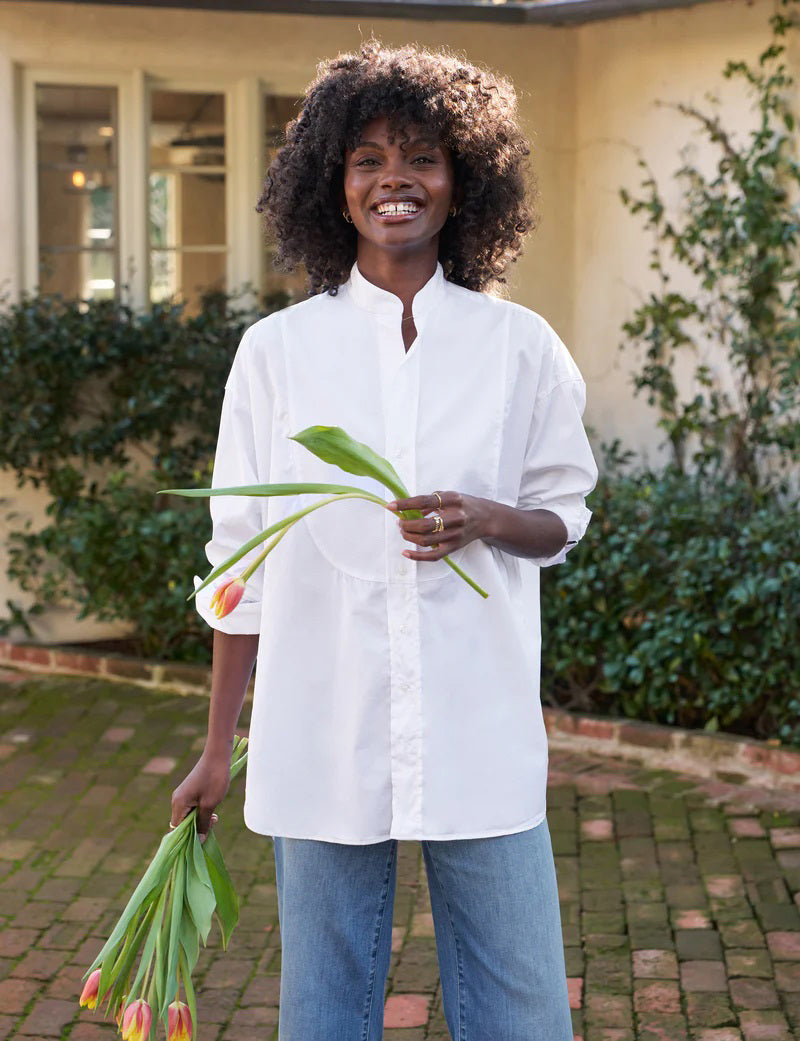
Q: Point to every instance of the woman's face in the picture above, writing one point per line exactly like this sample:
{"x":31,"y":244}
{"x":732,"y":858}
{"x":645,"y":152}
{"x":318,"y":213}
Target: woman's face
{"x":398,"y":191}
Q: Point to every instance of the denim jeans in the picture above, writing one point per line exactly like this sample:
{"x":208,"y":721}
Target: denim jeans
{"x":498,"y":937}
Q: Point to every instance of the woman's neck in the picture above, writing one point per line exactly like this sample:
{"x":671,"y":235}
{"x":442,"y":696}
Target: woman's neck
{"x":401,"y":275}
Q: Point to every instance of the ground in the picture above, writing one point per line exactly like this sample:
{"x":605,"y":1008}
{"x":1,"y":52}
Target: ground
{"x":679,"y":897}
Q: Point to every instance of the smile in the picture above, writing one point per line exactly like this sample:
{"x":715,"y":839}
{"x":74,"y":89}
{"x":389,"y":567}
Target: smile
{"x":397,"y":209}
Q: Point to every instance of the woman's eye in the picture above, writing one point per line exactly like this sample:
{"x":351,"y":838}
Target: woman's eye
{"x":423,"y":159}
{"x":367,"y":161}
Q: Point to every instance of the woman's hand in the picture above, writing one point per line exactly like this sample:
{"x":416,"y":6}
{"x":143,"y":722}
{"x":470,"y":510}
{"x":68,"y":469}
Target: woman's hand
{"x":204,"y":787}
{"x":464,"y":518}
{"x":453,"y":520}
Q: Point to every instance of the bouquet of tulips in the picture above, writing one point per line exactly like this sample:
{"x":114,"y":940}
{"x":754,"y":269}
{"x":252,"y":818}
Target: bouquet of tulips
{"x":332,"y":445}
{"x":151,"y":953}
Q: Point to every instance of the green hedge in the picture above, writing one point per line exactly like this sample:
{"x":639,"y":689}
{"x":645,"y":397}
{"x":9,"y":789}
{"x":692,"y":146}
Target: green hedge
{"x":101,"y":406}
{"x":681,"y":605}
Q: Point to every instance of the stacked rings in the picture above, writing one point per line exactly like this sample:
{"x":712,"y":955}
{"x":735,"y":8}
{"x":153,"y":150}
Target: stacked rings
{"x":438,"y":524}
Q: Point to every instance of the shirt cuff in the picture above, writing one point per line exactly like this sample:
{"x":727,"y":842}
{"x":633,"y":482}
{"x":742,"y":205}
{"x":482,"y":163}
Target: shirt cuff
{"x":575,"y":518}
{"x":244,"y":619}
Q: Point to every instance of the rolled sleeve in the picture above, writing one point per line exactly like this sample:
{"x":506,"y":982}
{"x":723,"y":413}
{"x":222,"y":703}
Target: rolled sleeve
{"x":559,"y":470}
{"x":236,"y":519}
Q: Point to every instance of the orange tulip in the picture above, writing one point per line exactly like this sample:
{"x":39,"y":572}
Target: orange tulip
{"x":227,"y":596}
{"x":179,"y":1022}
{"x":88,"y":997}
{"x":136,"y":1021}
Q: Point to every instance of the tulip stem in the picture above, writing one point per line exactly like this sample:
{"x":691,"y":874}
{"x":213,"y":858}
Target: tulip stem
{"x":273,"y":542}
{"x":367,"y":497}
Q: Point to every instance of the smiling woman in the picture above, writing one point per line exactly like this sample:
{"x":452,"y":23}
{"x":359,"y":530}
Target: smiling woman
{"x":389,"y":702}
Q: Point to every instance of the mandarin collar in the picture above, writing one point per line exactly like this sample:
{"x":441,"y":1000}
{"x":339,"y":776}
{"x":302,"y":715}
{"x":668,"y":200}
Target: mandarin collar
{"x":370,"y":297}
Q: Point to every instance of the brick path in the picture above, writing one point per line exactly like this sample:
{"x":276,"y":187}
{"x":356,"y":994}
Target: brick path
{"x":679,"y":896}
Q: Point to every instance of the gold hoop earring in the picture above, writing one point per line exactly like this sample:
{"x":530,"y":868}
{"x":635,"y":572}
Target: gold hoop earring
{"x":453,"y":211}
{"x":347,"y":217}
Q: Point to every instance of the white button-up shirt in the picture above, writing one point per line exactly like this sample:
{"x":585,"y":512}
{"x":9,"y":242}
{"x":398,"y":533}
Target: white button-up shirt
{"x":391,"y":700}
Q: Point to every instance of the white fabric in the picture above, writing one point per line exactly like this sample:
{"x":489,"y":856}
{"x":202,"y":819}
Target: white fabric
{"x":391,"y":700}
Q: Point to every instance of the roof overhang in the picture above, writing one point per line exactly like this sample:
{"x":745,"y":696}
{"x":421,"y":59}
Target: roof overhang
{"x":528,"y":12}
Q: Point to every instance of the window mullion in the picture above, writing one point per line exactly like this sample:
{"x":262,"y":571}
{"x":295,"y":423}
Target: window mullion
{"x":132,"y":164}
{"x":246,"y":257}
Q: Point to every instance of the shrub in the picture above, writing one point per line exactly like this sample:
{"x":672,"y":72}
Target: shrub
{"x":679,"y":606}
{"x":734,"y":238}
{"x":101,"y":406}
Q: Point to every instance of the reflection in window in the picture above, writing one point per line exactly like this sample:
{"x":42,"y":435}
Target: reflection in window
{"x":76,"y":190}
{"x":188,"y":233}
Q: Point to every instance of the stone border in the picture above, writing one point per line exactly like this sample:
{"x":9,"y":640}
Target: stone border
{"x":178,"y":677}
{"x":724,"y":757}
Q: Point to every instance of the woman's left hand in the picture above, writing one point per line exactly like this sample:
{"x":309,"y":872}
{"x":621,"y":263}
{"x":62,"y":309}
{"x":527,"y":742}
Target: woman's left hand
{"x":464,"y":518}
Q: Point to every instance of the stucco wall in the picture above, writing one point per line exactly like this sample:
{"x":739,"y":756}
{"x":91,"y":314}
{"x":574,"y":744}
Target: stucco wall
{"x":587,"y":98}
{"x":624,"y":69}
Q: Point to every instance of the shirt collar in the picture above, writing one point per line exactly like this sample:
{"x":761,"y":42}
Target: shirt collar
{"x":370,"y":297}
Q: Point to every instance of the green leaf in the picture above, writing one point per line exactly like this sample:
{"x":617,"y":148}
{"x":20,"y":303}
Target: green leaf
{"x":239,"y":757}
{"x":150,"y":943}
{"x":224,"y":891}
{"x":199,"y":892}
{"x":262,"y":490}
{"x":170,"y":981}
{"x":334,"y":445}
{"x":190,"y":941}
{"x":191,"y":1001}
{"x":116,"y":971}
{"x":153,"y":879}
{"x":158,"y":971}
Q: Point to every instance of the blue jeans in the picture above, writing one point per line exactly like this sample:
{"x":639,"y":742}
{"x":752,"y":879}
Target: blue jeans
{"x":498,"y":937}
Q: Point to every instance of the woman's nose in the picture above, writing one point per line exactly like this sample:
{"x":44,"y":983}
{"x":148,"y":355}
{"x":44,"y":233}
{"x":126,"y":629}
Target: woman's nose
{"x":395,"y":175}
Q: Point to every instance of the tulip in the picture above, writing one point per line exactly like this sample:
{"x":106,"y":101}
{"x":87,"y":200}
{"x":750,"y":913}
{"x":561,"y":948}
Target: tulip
{"x":136,"y":1021}
{"x":179,"y":1022}
{"x":89,"y":993}
{"x":227,"y":596}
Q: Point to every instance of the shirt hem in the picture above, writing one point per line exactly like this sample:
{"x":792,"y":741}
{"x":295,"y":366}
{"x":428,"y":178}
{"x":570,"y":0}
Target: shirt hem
{"x":406,"y":837}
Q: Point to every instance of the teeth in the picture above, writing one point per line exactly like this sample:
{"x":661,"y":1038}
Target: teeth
{"x":394,"y":209}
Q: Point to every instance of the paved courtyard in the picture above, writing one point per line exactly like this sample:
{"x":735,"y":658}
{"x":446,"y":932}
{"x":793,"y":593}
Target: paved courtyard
{"x":679,"y":896}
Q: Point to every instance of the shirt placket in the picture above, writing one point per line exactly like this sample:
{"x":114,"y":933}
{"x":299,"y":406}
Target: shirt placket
{"x":401,"y":390}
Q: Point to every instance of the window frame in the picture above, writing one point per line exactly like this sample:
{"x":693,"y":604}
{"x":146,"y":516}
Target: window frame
{"x":245,"y":257}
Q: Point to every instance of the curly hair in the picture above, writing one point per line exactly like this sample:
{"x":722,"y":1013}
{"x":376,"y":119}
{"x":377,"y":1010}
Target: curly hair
{"x":469,"y":110}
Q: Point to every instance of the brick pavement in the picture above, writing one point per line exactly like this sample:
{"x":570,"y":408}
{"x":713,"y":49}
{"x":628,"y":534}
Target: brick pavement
{"x":679,"y":896}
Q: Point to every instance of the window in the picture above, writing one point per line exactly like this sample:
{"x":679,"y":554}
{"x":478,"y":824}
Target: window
{"x":76,"y":184}
{"x":145,"y":188}
{"x":187,"y":218}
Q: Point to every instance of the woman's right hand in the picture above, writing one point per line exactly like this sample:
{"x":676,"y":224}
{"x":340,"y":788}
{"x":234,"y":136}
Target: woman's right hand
{"x":204,"y":787}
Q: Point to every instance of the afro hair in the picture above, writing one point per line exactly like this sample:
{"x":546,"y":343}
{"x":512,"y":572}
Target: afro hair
{"x":469,"y":110}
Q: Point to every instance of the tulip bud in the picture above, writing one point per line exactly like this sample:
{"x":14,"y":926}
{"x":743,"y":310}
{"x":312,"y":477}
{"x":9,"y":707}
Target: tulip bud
{"x":136,"y":1021}
{"x":179,"y":1022}
{"x":227,"y":596}
{"x":88,"y":997}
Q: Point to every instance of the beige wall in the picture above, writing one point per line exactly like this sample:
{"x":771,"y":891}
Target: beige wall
{"x":587,"y":98}
{"x":624,"y":68}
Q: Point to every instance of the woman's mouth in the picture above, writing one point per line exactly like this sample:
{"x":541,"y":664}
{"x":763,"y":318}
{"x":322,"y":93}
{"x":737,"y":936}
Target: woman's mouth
{"x":396,"y":211}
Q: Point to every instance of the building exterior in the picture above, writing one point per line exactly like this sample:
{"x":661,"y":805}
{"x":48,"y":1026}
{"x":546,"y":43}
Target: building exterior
{"x":134,"y":137}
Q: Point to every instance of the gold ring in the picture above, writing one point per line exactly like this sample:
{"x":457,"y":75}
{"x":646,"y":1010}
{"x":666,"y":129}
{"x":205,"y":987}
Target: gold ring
{"x":438,"y":524}
{"x":439,"y":499}
{"x":171,"y":826}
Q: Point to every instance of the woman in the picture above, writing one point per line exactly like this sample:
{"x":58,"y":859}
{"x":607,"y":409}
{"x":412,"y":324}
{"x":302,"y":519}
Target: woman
{"x":391,"y":701}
